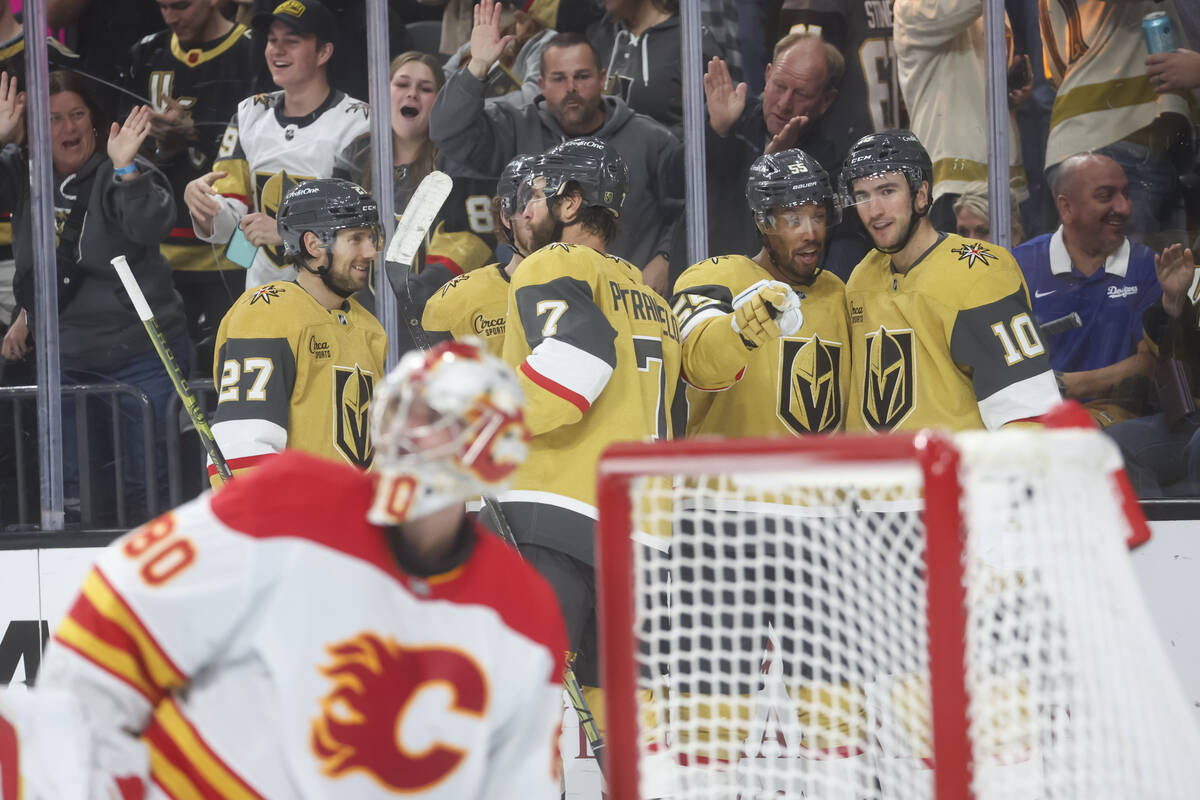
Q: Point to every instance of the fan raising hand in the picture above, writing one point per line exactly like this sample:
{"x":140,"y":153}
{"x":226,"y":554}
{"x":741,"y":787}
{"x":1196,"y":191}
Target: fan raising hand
{"x":487,"y":43}
{"x":12,"y":109}
{"x":124,"y":141}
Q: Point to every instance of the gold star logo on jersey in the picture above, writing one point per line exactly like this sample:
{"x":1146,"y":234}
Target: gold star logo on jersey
{"x":265,"y":293}
{"x":810,"y":394}
{"x":353,"y":388}
{"x":889,"y":393}
{"x":974,"y":252}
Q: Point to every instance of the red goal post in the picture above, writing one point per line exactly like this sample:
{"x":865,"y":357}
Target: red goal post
{"x":916,"y":616}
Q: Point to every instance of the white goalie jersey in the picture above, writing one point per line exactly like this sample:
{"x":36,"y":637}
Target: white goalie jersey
{"x":262,"y":641}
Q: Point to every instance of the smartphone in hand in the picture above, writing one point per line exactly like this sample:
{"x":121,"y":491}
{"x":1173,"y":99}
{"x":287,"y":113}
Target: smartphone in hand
{"x":239,"y":250}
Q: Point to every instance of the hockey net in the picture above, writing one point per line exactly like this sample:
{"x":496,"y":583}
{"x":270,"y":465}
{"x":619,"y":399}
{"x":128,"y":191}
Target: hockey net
{"x":886,"y":617}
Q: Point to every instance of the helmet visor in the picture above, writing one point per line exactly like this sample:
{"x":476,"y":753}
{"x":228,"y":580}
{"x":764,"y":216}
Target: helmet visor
{"x":531,"y":190}
{"x":810,"y":218}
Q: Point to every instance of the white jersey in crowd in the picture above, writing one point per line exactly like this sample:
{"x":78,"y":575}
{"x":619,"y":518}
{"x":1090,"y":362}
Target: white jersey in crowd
{"x":263,"y":641}
{"x":266,"y":153}
{"x":940,"y":49}
{"x":1095,"y":54}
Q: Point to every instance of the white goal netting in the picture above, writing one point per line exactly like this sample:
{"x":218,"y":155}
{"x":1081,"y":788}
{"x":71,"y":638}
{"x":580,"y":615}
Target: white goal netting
{"x":779,"y":639}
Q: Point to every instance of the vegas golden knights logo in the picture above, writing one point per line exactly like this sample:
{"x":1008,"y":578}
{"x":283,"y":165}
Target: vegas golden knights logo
{"x":272,"y":188}
{"x":352,"y":391}
{"x":888,"y":391}
{"x":810,"y":393}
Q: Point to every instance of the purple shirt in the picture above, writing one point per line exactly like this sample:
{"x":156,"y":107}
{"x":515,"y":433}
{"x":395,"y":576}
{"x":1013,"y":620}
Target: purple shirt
{"x":1110,"y":302}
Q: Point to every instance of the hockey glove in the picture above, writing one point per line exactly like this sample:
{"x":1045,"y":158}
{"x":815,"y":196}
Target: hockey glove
{"x":765,"y":311}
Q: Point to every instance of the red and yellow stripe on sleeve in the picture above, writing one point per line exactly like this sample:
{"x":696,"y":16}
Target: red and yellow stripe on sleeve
{"x":183,"y":766}
{"x":102,"y":628}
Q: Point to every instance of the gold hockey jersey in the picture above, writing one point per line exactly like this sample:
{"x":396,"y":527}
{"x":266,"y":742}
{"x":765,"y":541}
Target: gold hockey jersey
{"x":794,"y":385}
{"x":473,"y":304}
{"x":949,"y":344}
{"x":290,"y":373}
{"x":598,"y":354}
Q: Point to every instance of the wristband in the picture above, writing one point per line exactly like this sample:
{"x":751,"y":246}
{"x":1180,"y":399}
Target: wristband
{"x":119,"y":171}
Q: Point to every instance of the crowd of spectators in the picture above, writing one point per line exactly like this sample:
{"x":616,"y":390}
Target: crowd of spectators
{"x":242,"y":99}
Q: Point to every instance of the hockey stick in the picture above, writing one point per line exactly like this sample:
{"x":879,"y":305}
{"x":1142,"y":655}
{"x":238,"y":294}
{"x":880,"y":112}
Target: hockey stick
{"x":418,"y":217}
{"x":415,"y":222}
{"x":1061,"y":324}
{"x":168,"y":360}
{"x":573,"y":687}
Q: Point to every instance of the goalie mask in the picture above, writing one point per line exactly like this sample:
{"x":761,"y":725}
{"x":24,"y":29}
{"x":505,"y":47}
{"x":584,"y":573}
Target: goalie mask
{"x":324,"y":207}
{"x":447,"y":424}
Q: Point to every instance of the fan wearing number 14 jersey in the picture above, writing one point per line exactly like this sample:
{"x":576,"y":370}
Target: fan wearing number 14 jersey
{"x":941,"y":329}
{"x":598,"y":355}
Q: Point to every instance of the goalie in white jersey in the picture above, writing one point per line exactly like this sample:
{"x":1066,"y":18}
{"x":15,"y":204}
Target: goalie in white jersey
{"x":312,"y":631}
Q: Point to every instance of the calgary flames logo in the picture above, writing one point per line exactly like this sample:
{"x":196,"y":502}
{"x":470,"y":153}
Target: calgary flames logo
{"x":375,"y":683}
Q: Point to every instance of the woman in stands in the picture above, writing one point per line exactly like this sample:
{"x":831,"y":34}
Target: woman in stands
{"x":463,"y":235}
{"x":109,"y":202}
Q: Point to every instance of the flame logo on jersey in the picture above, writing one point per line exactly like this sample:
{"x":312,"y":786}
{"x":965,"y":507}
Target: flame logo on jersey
{"x":376,"y":683}
{"x":353,"y":388}
{"x":889,"y":395}
{"x":810,"y":389}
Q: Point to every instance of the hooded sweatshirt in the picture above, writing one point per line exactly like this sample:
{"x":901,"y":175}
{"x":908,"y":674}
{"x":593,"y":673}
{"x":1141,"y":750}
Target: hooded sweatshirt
{"x":646,"y":71}
{"x":98,"y":327}
{"x":484,"y":140}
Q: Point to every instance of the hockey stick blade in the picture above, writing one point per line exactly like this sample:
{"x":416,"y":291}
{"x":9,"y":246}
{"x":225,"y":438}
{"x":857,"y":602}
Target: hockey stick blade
{"x":1061,"y":324}
{"x":418,"y":216}
{"x":165,"y":355}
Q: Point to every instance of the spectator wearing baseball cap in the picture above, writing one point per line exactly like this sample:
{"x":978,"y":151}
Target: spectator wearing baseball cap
{"x":306,"y":17}
{"x":276,"y":139}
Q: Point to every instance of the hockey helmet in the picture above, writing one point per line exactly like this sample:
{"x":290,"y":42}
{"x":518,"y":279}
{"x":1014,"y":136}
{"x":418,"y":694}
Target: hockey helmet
{"x":790,"y":178}
{"x":324,"y":207}
{"x":598,"y":169}
{"x":510,"y":182}
{"x":880,"y":153}
{"x":447,"y":424}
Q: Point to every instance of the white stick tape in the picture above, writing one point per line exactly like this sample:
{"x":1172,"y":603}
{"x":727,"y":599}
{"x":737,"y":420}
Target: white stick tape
{"x":132,"y":289}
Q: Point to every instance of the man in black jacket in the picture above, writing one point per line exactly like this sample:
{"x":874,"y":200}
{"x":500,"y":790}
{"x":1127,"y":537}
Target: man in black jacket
{"x":801,"y":84}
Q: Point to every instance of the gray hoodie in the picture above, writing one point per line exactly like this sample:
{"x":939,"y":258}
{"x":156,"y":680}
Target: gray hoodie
{"x":98,"y":327}
{"x":484,"y":140}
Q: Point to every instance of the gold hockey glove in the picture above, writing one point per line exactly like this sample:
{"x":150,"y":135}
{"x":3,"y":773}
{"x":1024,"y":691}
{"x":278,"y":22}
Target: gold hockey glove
{"x":765,"y":311}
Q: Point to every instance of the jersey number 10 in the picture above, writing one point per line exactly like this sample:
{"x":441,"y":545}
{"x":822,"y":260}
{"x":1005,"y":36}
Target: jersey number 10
{"x":1019,"y":338}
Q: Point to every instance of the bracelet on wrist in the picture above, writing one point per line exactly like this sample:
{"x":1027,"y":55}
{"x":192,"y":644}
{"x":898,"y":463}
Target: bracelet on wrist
{"x":119,"y":171}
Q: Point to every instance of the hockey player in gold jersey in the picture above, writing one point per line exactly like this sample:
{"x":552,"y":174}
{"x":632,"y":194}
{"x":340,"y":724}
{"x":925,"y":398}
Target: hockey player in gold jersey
{"x":942,"y":333}
{"x":766,"y":340}
{"x":598,"y":354}
{"x":475,"y":303}
{"x":297,"y":361}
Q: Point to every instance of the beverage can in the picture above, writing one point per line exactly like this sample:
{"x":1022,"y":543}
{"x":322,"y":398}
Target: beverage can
{"x":1160,"y":38}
